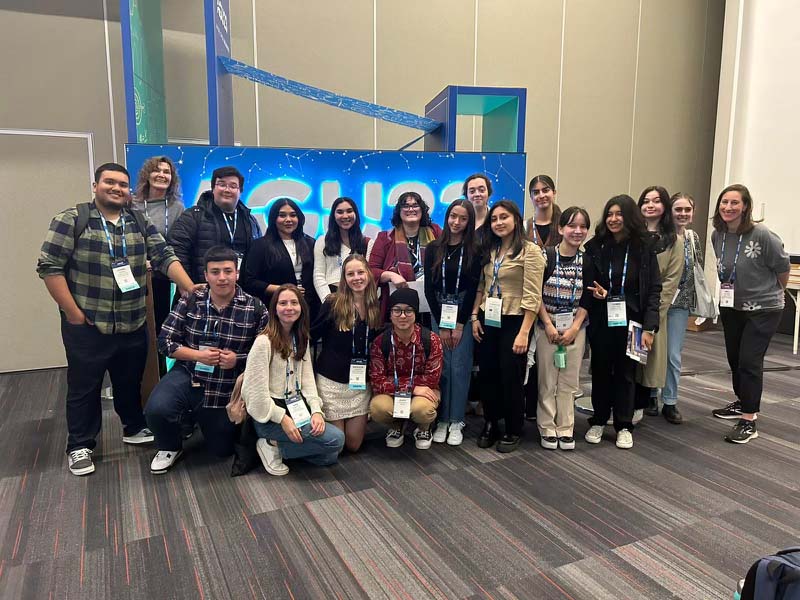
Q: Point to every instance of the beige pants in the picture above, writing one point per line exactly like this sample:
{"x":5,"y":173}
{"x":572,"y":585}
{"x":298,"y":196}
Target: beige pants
{"x":555,"y":413}
{"x":423,"y":411}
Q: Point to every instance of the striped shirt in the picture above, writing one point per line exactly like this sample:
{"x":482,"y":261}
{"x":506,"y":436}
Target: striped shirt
{"x":558,"y":288}
{"x":238,"y":325}
{"x":86,"y":265}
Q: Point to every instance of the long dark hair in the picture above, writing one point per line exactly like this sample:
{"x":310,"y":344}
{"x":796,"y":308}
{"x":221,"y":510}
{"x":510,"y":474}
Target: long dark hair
{"x":439,"y":246}
{"x":666,"y":224}
{"x":297,"y":235}
{"x":747,"y":223}
{"x":333,"y":237}
{"x":425,"y":219}
{"x":492,"y":240}
{"x":633,"y":226}
{"x":280,"y":342}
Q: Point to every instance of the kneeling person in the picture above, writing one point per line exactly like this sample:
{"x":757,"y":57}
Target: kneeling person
{"x":209,"y":334}
{"x":405,"y":365}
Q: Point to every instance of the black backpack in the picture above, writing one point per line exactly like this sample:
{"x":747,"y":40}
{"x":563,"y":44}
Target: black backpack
{"x":386,"y":342}
{"x":82,"y":220}
{"x":774,"y":577}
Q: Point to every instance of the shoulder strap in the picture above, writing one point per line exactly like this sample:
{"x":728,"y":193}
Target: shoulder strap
{"x":141,"y":222}
{"x":82,"y":220}
{"x":550,"y":267}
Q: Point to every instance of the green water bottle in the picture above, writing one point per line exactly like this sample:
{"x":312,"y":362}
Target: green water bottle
{"x":560,"y":357}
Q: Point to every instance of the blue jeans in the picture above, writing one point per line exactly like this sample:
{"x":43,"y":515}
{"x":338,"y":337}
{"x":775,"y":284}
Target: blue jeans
{"x":321,"y":450}
{"x":456,"y":376}
{"x":174,"y":401}
{"x":676,"y":333}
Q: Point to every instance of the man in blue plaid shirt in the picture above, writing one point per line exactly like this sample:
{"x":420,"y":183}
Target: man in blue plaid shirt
{"x":209,"y":334}
{"x":98,"y":278}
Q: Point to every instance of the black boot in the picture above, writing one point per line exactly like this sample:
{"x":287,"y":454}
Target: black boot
{"x":672,"y":414}
{"x":652,"y":407}
{"x":489,"y":435}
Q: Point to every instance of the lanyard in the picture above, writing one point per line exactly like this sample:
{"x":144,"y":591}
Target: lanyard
{"x":215,"y":327}
{"x":721,"y":267}
{"x":366,"y":340}
{"x":166,"y":215}
{"x":624,"y":272}
{"x":578,"y":267}
{"x":413,"y":358}
{"x":415,"y":255}
{"x":458,"y":274}
{"x":231,"y":232}
{"x":496,"y":271}
{"x":124,"y":243}
{"x":296,"y":381}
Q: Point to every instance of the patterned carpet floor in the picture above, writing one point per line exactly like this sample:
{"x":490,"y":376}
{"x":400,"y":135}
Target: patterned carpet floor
{"x":681,"y":515}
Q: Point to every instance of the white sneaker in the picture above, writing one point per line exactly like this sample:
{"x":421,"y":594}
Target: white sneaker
{"x":595,"y":434}
{"x":638,"y":415}
{"x":440,"y":435}
{"x":422,"y":438}
{"x":394,"y":438}
{"x":456,"y":435}
{"x":145,"y":436}
{"x":624,"y":439}
{"x":271,"y":458}
{"x":163,"y":460}
{"x":80,"y":461}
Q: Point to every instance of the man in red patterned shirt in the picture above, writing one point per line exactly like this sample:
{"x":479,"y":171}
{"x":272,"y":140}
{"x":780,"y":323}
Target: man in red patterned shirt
{"x":405,"y":364}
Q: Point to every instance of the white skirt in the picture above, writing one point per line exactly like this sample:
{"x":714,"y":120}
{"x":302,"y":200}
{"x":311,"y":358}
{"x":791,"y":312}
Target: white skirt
{"x":340,"y":402}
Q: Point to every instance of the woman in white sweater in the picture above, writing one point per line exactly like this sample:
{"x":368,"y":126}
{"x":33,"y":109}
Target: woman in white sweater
{"x":343,"y":238}
{"x":280,"y":393}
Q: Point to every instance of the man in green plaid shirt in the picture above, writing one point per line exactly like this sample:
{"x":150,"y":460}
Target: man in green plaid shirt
{"x":98,"y":278}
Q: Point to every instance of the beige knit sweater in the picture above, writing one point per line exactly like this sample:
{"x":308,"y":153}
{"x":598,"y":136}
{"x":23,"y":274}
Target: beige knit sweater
{"x":265,"y":379}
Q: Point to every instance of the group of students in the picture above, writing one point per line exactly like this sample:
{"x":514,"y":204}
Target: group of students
{"x":329,"y":333}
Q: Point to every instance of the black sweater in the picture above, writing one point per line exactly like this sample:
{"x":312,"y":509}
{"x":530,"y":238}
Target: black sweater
{"x":467,"y":287}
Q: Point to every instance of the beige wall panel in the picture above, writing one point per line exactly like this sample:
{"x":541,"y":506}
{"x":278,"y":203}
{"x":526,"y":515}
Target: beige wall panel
{"x":668,"y":116}
{"x":28,"y":316}
{"x":244,"y":96}
{"x":185,"y":83}
{"x":519,"y":45}
{"x":597,"y":101}
{"x":324,"y":44}
{"x":422,"y":47}
{"x":62,"y":82}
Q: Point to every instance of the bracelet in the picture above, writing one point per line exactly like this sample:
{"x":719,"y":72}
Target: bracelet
{"x":473,"y":317}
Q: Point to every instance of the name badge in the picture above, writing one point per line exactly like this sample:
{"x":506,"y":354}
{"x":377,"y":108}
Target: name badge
{"x":563,"y":321}
{"x":298,"y":410}
{"x":494,"y":312}
{"x":617,"y":314}
{"x":205,"y":344}
{"x":402,"y":405}
{"x":449,"y":314}
{"x":726,"y":295}
{"x":124,"y":276}
{"x":358,"y":374}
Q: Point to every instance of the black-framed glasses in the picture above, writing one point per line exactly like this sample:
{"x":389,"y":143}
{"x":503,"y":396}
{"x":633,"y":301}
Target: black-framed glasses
{"x":397,"y":311}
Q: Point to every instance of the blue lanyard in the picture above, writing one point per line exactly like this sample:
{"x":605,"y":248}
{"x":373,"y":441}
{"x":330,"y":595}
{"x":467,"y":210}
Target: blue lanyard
{"x":124,"y":243}
{"x":231,"y":232}
{"x":413,"y":357}
{"x":366,"y":340}
{"x":578,"y":267}
{"x":624,"y":272}
{"x":496,"y":271}
{"x":166,"y":215}
{"x":215,"y":328}
{"x":458,"y":274}
{"x":721,"y":266}
{"x":294,"y":361}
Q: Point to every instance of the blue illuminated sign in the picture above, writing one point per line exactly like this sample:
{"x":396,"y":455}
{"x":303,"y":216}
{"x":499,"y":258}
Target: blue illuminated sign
{"x":315,"y":178}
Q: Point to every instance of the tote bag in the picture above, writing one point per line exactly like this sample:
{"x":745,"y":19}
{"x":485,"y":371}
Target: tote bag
{"x":704,"y":305}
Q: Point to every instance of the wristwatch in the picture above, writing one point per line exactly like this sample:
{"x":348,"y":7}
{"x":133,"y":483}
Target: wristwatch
{"x":473,"y":318}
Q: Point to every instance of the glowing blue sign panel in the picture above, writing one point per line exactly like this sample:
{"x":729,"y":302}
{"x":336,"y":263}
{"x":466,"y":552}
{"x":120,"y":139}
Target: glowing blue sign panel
{"x":315,"y":178}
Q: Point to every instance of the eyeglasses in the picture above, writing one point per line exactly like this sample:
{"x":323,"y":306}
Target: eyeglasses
{"x":227,"y":186}
{"x":410,"y":207}
{"x":397,"y":311}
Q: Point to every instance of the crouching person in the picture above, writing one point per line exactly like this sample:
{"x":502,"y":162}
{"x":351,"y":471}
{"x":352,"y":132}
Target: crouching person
{"x":280,"y":393}
{"x":209,"y":334}
{"x":405,"y":364}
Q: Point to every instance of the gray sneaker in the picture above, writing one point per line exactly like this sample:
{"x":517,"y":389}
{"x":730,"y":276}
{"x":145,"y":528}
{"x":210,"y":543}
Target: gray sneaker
{"x":80,"y":461}
{"x":145,"y":436}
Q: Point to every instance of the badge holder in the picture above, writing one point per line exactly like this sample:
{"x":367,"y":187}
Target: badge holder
{"x":296,"y":405}
{"x":449,"y":314}
{"x":402,"y":405}
{"x":726,"y":295}
{"x":494,"y":312}
{"x":124,"y":276}
{"x":617,"y":314}
{"x":563,"y":321}
{"x":358,"y":374}
{"x":205,"y":344}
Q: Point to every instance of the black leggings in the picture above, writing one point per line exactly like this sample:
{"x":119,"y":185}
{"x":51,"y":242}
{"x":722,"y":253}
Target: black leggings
{"x":613,"y":377}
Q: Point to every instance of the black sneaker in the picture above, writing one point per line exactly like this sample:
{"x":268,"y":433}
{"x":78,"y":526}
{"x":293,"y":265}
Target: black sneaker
{"x":549,"y":442}
{"x":672,"y":414}
{"x":742,"y":432}
{"x":652,"y":407}
{"x":732,"y":411}
{"x":80,"y":461}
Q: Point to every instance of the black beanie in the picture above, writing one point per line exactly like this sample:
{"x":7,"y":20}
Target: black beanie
{"x":405,"y":295}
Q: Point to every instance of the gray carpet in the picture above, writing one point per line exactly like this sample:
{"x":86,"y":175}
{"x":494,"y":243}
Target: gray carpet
{"x":682,"y":515}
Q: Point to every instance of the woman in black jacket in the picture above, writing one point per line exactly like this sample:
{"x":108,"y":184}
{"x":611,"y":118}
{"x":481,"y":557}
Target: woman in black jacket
{"x":622,"y":283}
{"x":284,"y":255}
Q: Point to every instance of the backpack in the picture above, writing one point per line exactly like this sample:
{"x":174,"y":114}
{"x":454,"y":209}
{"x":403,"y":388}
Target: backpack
{"x":386,"y":342}
{"x":82,"y":220}
{"x":774,"y":577}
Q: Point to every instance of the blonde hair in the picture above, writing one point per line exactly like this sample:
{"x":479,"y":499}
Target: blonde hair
{"x":344,"y":301}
